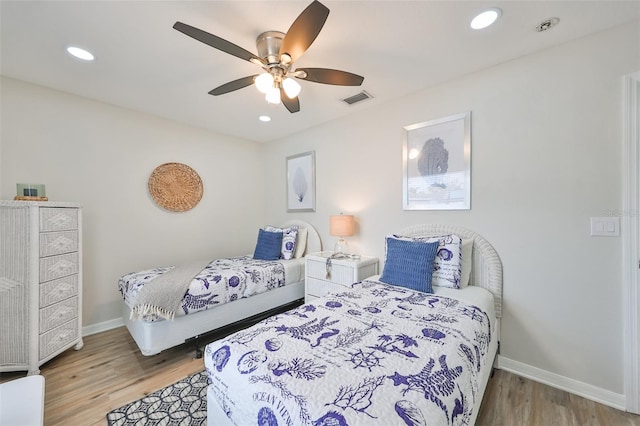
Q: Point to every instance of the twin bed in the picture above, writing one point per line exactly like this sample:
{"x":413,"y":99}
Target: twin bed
{"x":389,"y":350}
{"x":377,"y":353}
{"x":223,"y":293}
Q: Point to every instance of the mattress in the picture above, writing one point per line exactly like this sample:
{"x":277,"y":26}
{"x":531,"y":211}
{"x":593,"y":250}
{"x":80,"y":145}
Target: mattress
{"x":376,"y":354}
{"x":223,"y":280}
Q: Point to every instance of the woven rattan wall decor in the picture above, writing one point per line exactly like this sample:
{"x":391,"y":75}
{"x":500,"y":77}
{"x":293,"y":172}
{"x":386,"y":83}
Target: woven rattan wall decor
{"x":175,"y":187}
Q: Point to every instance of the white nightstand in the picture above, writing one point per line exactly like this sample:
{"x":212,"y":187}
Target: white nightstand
{"x":344,"y":272}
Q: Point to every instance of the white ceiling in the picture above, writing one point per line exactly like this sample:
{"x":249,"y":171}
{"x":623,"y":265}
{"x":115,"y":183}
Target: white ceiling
{"x":143,"y":64}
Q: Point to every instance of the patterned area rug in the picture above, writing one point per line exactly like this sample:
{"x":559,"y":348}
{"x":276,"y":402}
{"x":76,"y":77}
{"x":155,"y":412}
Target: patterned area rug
{"x":181,"y":404}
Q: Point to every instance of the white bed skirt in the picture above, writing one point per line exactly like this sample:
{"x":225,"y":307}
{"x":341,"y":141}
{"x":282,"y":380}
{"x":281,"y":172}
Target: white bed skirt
{"x":154,"y":337}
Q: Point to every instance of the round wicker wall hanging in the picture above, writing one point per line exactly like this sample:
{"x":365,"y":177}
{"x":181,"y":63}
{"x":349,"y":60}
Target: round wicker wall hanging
{"x":175,"y":187}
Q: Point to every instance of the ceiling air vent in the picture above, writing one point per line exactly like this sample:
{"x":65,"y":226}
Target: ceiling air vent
{"x":547,"y":24}
{"x":359,"y":97}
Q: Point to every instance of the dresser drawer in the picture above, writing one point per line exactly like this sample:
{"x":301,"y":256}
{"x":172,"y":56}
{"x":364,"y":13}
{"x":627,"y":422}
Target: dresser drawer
{"x":58,"y":338}
{"x":319,"y":288}
{"x":52,"y":243}
{"x":57,"y":290}
{"x":58,"y":266}
{"x":58,"y":219}
{"x":340,"y":274}
{"x":59,"y":313}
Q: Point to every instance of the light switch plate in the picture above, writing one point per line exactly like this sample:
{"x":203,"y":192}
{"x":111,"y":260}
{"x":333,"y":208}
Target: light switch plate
{"x":605,"y":226}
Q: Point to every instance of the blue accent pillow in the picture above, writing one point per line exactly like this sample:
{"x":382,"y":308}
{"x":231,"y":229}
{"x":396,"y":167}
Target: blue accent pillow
{"x":409,"y":264}
{"x":268,"y":246}
{"x":447,"y":266}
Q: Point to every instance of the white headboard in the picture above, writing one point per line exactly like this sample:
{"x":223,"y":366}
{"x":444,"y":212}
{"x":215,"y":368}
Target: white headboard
{"x":313,"y":238}
{"x":486,"y":267}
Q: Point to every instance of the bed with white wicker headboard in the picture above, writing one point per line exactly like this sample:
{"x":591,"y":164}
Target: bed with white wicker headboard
{"x":486,"y":267}
{"x":380,"y":353}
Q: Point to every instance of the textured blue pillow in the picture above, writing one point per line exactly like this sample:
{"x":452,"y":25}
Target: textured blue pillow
{"x":447,"y":266}
{"x":409,"y":264}
{"x":268,"y":246}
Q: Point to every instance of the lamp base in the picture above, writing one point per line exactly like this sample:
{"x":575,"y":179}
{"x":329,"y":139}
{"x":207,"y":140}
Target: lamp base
{"x":341,"y":249}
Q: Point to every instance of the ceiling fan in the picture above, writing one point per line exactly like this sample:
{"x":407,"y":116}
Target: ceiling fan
{"x":277,"y":53}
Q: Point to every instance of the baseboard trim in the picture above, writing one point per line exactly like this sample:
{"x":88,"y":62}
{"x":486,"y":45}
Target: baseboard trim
{"x":576,"y":387}
{"x":88,"y":330}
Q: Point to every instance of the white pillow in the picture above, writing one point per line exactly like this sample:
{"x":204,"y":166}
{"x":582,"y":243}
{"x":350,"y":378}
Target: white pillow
{"x":288,"y":240}
{"x":301,"y":243}
{"x":467,"y":260}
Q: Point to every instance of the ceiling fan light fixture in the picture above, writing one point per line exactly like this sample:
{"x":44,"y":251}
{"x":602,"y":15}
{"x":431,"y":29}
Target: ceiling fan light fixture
{"x":486,"y":18}
{"x":277,"y":52}
{"x":273,"y":96}
{"x":291,"y":87}
{"x":264,"y":82}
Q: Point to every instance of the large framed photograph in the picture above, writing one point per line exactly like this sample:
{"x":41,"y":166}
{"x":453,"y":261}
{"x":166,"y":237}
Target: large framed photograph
{"x":301,"y":182}
{"x":437,"y":164}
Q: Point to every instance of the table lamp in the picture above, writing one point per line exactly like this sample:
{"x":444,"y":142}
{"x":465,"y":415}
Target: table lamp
{"x":341,"y":225}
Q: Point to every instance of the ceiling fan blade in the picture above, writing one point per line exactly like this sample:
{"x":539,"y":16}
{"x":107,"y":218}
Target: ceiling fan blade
{"x":233,"y":85}
{"x":329,"y":76}
{"x":304,"y":30}
{"x":217,"y":42}
{"x":293,"y":105}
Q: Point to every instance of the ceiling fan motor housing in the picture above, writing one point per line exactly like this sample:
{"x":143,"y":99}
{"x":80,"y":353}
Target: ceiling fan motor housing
{"x":268,"y":44}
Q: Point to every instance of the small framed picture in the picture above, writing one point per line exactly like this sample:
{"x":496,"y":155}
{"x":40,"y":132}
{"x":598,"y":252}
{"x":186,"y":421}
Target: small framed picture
{"x":301,"y":182}
{"x":437,"y":164}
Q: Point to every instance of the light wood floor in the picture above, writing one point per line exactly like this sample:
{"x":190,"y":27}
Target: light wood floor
{"x":82,"y":386}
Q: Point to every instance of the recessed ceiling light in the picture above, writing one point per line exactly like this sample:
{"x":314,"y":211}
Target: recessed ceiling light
{"x":486,"y":18}
{"x":79,"y":53}
{"x":264,"y":118}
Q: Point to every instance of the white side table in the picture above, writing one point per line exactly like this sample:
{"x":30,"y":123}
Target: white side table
{"x":343,"y":273}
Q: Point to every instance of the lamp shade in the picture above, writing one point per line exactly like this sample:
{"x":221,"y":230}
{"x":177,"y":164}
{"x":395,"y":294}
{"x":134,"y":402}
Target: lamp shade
{"x":341,"y":225}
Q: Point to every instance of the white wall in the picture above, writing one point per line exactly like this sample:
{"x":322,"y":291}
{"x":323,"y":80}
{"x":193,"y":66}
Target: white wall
{"x":102,"y":156}
{"x":546,"y":156}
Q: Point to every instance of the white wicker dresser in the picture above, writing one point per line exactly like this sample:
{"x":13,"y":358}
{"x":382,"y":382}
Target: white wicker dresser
{"x":40,"y":282}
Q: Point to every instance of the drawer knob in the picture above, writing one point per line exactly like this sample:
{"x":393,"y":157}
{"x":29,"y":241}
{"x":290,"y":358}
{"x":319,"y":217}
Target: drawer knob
{"x":61,"y":243}
{"x":62,"y":266}
{"x":64,"y":289}
{"x":59,"y":220}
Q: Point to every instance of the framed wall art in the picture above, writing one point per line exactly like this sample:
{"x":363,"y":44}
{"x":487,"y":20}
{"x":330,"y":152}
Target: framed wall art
{"x":301,"y":182}
{"x":437,"y":164}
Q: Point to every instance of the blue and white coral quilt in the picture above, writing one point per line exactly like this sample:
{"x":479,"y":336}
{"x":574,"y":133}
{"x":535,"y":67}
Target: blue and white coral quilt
{"x":222,"y":280}
{"x":377,"y":354}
